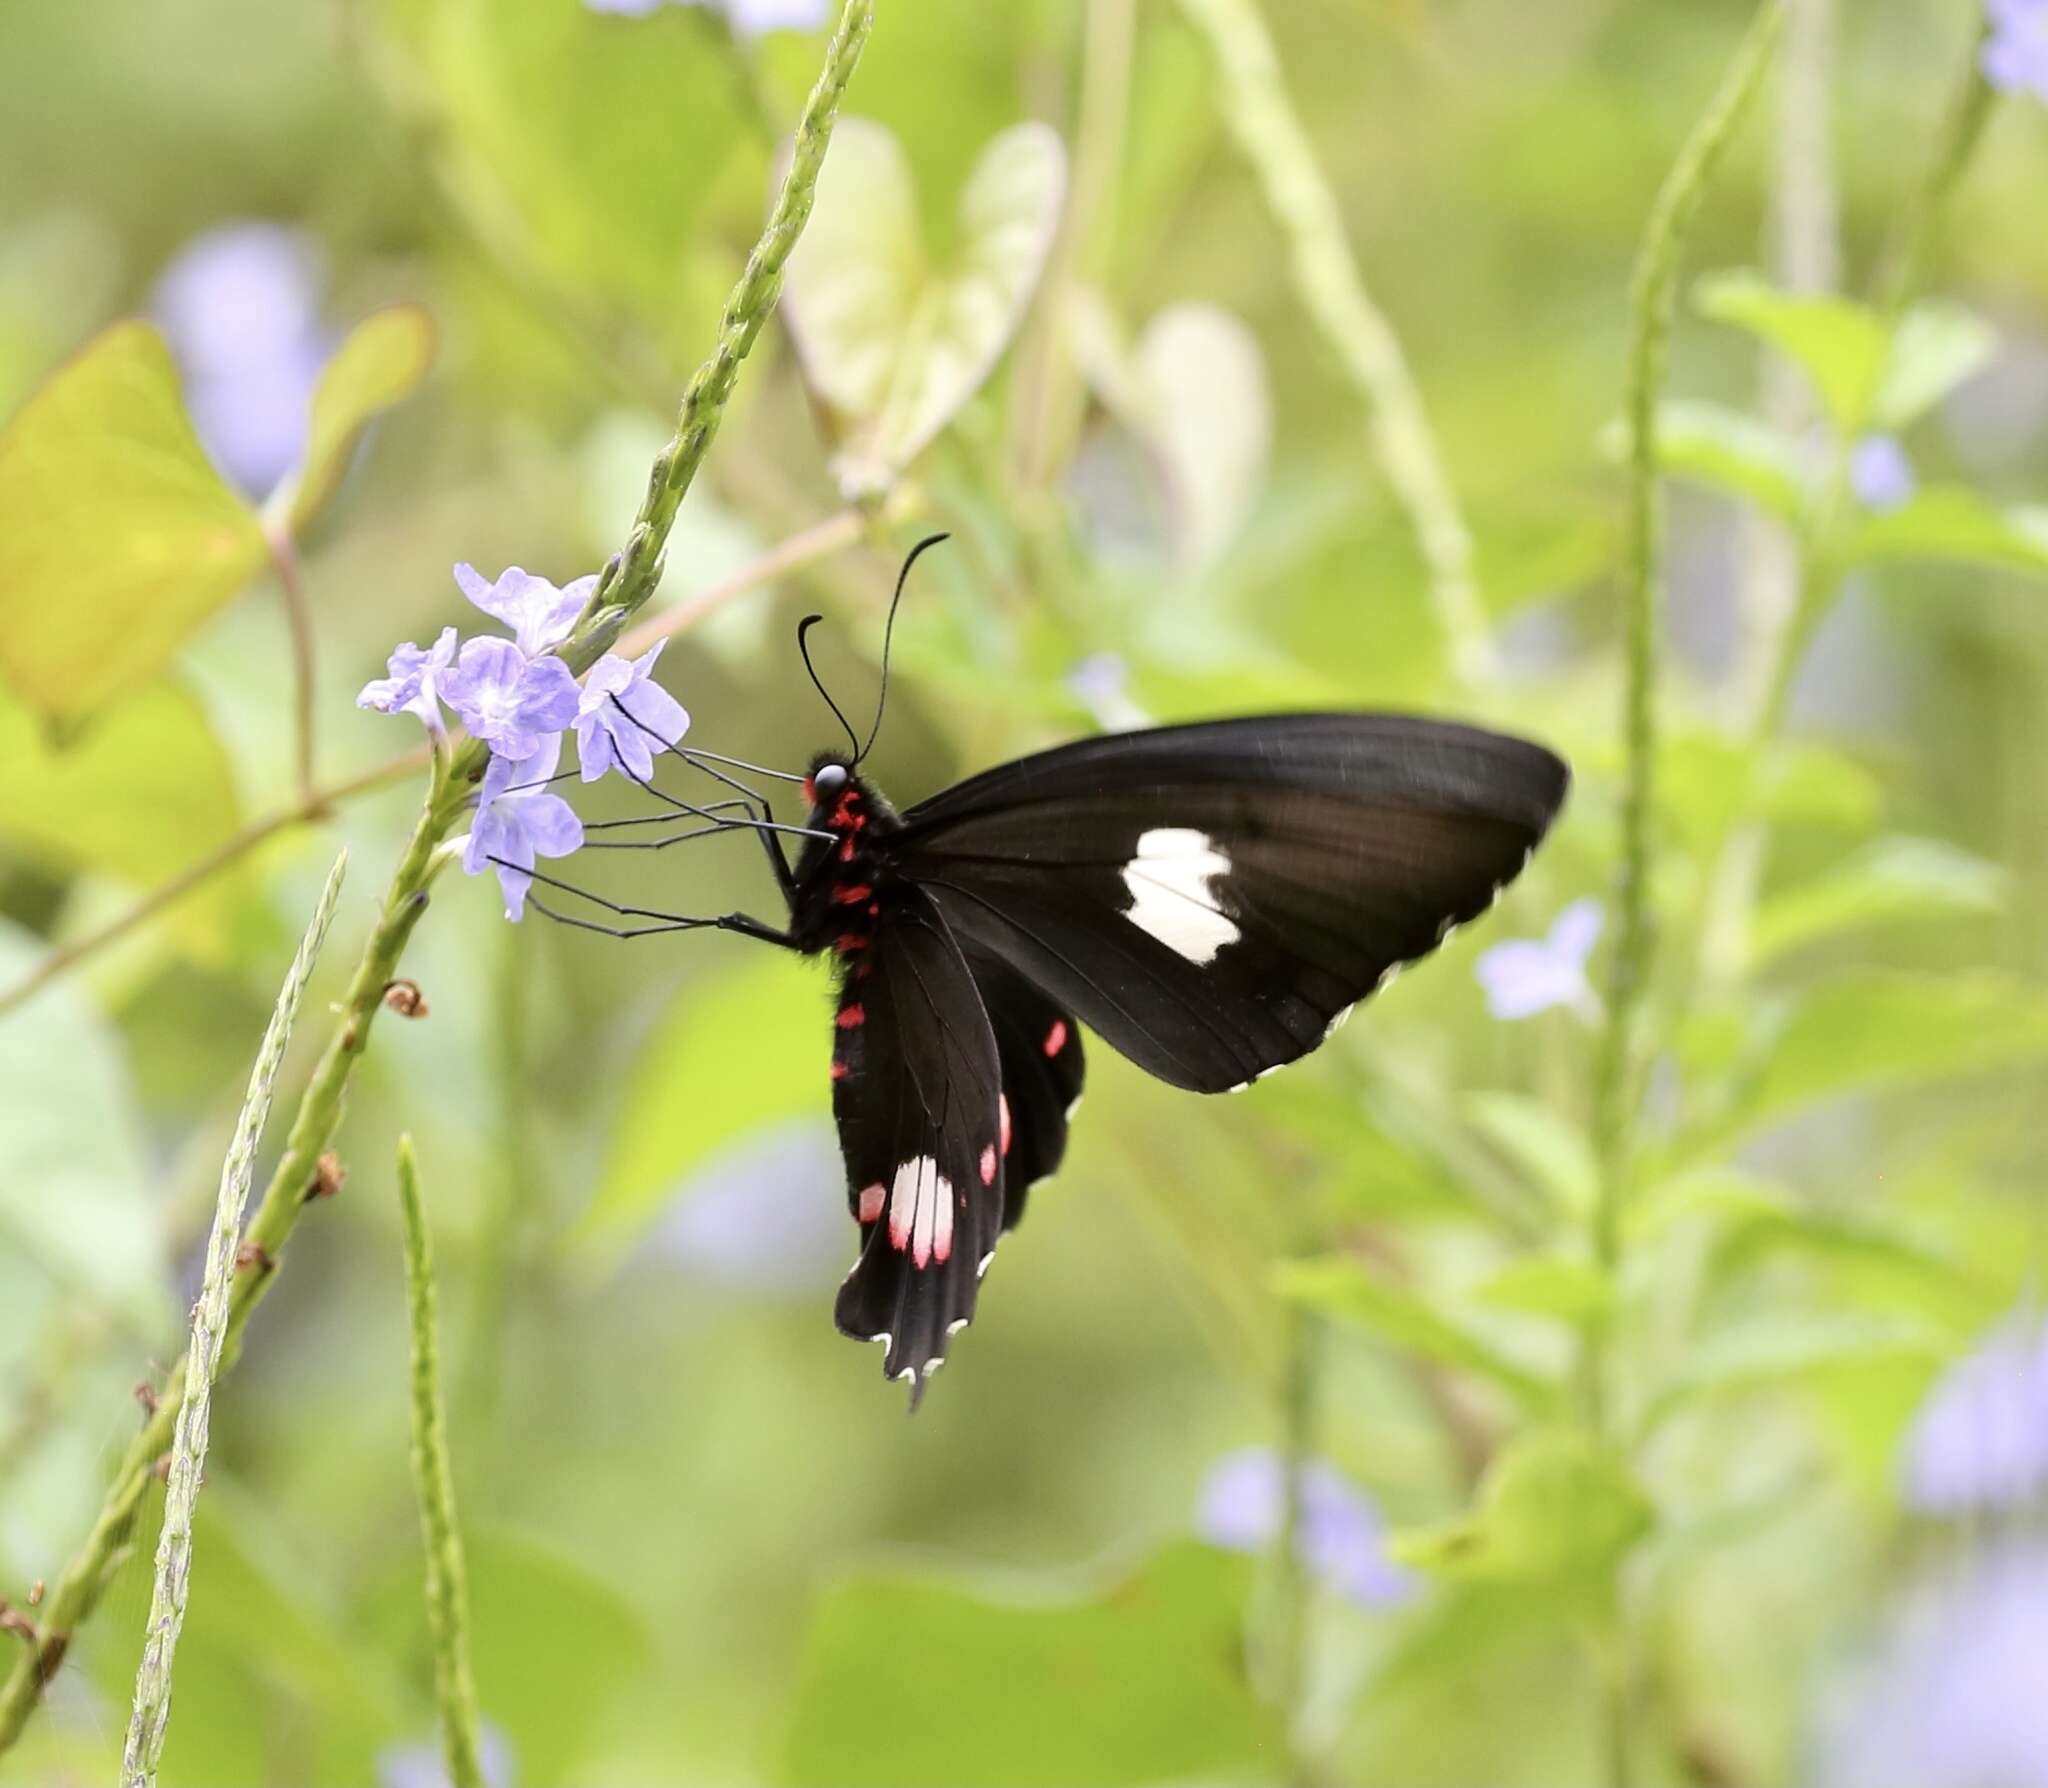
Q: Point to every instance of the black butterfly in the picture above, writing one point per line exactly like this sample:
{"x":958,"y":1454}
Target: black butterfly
{"x":1211,"y":900}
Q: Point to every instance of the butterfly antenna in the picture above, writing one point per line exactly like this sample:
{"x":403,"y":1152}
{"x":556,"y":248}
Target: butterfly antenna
{"x":803,"y":627}
{"x":889,"y":633}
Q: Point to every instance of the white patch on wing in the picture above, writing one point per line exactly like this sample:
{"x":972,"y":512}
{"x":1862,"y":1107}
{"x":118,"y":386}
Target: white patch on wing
{"x":1172,"y":880}
{"x":921,"y":1211}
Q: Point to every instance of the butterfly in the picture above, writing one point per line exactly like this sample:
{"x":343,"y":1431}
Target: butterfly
{"x":1210,"y":900}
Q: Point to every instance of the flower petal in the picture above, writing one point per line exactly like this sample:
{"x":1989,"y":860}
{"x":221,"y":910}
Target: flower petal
{"x":1575,"y":930}
{"x":550,"y":823}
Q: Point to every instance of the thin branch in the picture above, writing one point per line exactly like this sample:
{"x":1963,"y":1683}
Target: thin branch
{"x":1333,"y":291}
{"x":152,"y":1711}
{"x":829,"y":536}
{"x":223,"y":856}
{"x":284,"y":559}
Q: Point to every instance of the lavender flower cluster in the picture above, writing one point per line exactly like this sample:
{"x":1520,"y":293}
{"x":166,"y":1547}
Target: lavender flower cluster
{"x":2015,"y":57}
{"x":519,"y":699}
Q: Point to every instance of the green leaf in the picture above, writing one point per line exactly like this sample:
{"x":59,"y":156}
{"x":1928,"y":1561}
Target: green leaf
{"x":554,"y":1645}
{"x":1870,"y":1032}
{"x":1840,"y":345}
{"x":1553,"y":1155}
{"x":589,"y":145}
{"x":382,"y":361}
{"x":1561,"y":1286}
{"x":117,"y":536}
{"x":1950,"y":522}
{"x":1785,"y":1348}
{"x":1893,"y":878}
{"x":1732,"y":452}
{"x":893,"y":339}
{"x":77,"y":1203}
{"x":1194,"y":391}
{"x":732,"y":1054}
{"x":144,"y":792}
{"x":1006,"y":1686}
{"x":1555,"y":1508}
{"x":1404,"y":1319}
{"x":1936,"y":347}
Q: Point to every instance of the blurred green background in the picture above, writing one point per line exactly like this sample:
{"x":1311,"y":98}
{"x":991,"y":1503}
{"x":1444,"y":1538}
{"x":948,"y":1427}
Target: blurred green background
{"x":705,"y":1543}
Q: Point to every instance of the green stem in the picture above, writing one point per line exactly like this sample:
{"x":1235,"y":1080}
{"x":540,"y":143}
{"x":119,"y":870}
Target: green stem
{"x":447,"y":1581}
{"x":1905,"y":256}
{"x":1653,"y":300}
{"x":1333,"y":290}
{"x":1293,"y":1593}
{"x":628,"y":583}
{"x":152,"y":1711}
{"x":1653,"y":303}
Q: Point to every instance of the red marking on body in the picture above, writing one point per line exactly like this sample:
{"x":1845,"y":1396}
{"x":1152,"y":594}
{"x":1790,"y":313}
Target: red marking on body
{"x":988,"y":1164}
{"x":1003,"y":1100}
{"x":1056,"y":1038}
{"x":854,"y":895}
{"x":846,"y":849}
{"x":838,"y":1069}
{"x":852,"y":1017}
{"x":871,"y":1198}
{"x":874,"y":909}
{"x":810,"y":792}
{"x":849,"y":941}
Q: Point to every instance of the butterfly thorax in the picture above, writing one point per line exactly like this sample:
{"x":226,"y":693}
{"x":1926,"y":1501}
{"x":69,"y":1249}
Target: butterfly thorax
{"x":842,"y":884}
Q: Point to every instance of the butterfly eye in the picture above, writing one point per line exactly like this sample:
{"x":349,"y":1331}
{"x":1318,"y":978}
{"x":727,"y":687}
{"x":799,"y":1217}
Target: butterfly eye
{"x":830,"y":779}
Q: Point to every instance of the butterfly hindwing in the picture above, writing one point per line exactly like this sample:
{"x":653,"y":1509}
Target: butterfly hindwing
{"x":1038,"y":1049}
{"x":1212,"y":898}
{"x":917,"y":1095}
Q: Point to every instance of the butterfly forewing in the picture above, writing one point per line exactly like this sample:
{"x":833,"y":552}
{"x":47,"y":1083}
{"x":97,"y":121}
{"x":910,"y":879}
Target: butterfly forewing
{"x":917,"y":1093}
{"x":1212,"y":898}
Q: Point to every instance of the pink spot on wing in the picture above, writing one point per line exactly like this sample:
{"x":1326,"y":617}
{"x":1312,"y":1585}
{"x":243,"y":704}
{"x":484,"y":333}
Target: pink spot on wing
{"x":988,"y":1165}
{"x":871,"y":1202}
{"x":942,"y":1230}
{"x":1056,"y":1038}
{"x":1004,"y":1100}
{"x":838,"y":1069}
{"x":852,"y":1017}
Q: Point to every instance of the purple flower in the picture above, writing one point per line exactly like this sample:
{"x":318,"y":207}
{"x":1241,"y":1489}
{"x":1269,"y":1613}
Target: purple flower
{"x":2015,"y":58}
{"x":413,"y":687}
{"x":606,"y":736}
{"x":1340,"y":1539}
{"x":511,"y":702}
{"x":420,"y":1765}
{"x":539,"y":615}
{"x":1880,"y":473}
{"x":764,"y":1216}
{"x":1980,"y":1440}
{"x":1952,"y":1696}
{"x":1525,"y":976}
{"x":240,"y":310}
{"x":1101,"y":684}
{"x":518,"y":819}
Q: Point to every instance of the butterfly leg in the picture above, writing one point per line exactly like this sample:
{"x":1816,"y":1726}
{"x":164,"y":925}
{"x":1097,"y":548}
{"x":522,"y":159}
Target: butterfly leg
{"x":745,"y":924}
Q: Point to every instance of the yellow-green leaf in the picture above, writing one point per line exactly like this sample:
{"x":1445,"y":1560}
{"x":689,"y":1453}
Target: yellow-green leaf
{"x":1140,"y":1681}
{"x":892,"y":338}
{"x":382,"y":361}
{"x":732,"y":1054}
{"x":1840,"y":345}
{"x":1403,"y":1318}
{"x":1556,"y":1508}
{"x":117,"y":536}
{"x":142,"y":792}
{"x":1949,"y":521}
